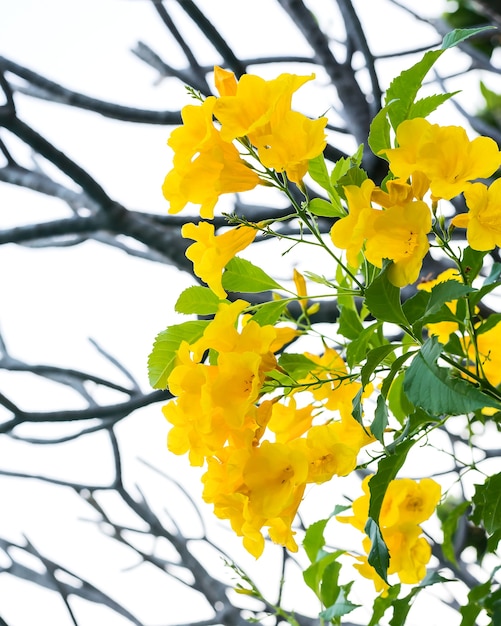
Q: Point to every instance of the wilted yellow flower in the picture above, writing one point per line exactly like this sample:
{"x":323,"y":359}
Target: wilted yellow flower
{"x":444,"y":154}
{"x":211,"y":253}
{"x":399,"y":233}
{"x":205,"y":166}
{"x":483,"y":220}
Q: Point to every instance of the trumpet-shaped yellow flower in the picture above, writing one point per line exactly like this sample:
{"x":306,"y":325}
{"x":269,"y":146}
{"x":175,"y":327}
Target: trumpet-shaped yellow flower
{"x":409,"y":502}
{"x":444,"y":154}
{"x":350,"y":232}
{"x":255,"y":103}
{"x":211,"y":253}
{"x":483,"y":220}
{"x":400,"y":234}
{"x":289,"y":422}
{"x":205,"y":166}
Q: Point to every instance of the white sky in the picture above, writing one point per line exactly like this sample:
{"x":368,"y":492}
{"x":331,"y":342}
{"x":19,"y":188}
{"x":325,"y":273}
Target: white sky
{"x":52,"y":300}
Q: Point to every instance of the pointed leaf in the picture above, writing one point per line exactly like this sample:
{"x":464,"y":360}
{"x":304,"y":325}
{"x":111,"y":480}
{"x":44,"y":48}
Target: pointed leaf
{"x":270,"y":312}
{"x":374,"y":358}
{"x":380,"y":421}
{"x":487,"y":502}
{"x":242,"y":276}
{"x":425,"y":106}
{"x":296,"y":365}
{"x":379,"y":134}
{"x":341,"y":607}
{"x":314,"y":542}
{"x":163,"y":355}
{"x":319,"y":206}
{"x":198,"y":301}
{"x":383,"y":299}
{"x":434,"y":389}
{"x":461,"y":34}
{"x":379,"y":556}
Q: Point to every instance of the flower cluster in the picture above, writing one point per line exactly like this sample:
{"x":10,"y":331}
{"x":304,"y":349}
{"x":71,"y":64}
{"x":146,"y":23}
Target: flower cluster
{"x":406,"y":504}
{"x":256,"y":112}
{"x":260,"y":452}
{"x":428,"y":157}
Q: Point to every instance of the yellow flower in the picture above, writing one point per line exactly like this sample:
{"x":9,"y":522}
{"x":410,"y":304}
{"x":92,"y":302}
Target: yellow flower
{"x":350,"y":232}
{"x":288,"y":422}
{"x":409,"y":553}
{"x":483,"y":220}
{"x":442,"y":330}
{"x":225,"y":81}
{"x":400,"y":234}
{"x":489,"y":354}
{"x":409,"y":502}
{"x":211,"y":253}
{"x":205,"y":166}
{"x":249,"y":111}
{"x":444,"y":154}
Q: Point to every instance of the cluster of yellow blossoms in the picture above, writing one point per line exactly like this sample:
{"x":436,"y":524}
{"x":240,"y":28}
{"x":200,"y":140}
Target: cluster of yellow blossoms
{"x":406,"y":504}
{"x":439,"y":159}
{"x":260,"y":453}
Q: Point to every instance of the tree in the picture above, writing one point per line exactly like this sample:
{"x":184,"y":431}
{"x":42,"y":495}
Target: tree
{"x":100,"y":405}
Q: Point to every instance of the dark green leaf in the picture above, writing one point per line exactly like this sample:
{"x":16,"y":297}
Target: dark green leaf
{"x":357,"y":348}
{"x":163,"y":355}
{"x":394,"y":370}
{"x":378,"y":556}
{"x":382,"y":604}
{"x":241,"y":276}
{"x":329,"y":587}
{"x":198,"y":301}
{"x":383,"y":300}
{"x":341,"y":607}
{"x":313,"y":574}
{"x":434,"y":389}
{"x":444,"y":292}
{"x":415,"y":306}
{"x":487,"y":503}
{"x":374,"y":358}
{"x":449,"y":527}
{"x":388,"y":467}
{"x":472,"y":262}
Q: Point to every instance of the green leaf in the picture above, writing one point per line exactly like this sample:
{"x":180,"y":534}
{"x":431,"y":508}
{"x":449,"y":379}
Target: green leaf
{"x":388,"y":467}
{"x":321,"y":207}
{"x":350,"y":325}
{"x":449,"y":527}
{"x":425,"y":106}
{"x":317,"y":169}
{"x":383,"y":299}
{"x":340,"y":168}
{"x":341,"y":607}
{"x":241,"y":276}
{"x":270,"y":312}
{"x":434,"y":389}
{"x":382,"y":604}
{"x":354,"y":176}
{"x":296,"y":365}
{"x":398,"y":402}
{"x":314,"y":542}
{"x":379,"y":134}
{"x":472,"y":262}
{"x":379,"y":556}
{"x":313,"y":574}
{"x":198,"y":301}
{"x":415,"y":306}
{"x":404,"y":88}
{"x":444,"y":292}
{"x":487,"y":503}
{"x":461,"y":34}
{"x":374,"y":358}
{"x":162,"y":358}
{"x":380,"y":421}
{"x":357,"y":349}
{"x":329,"y":587}
{"x":394,"y":370}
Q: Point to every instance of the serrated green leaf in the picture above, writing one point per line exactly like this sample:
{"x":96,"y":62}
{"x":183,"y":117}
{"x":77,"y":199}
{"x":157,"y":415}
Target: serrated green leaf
{"x":446,"y":291}
{"x":388,"y":467}
{"x":198,"y":301}
{"x":380,"y":421}
{"x":357,"y":348}
{"x":493,"y":320}
{"x":415,"y":306}
{"x":296,"y":365}
{"x":374,"y":358}
{"x":461,"y":34}
{"x":449,"y":527}
{"x":313,"y":574}
{"x":382,"y":604}
{"x":354,"y":176}
{"x":321,"y":207}
{"x":350,"y":325}
{"x":379,"y":556}
{"x":425,"y":106}
{"x":394,"y":370}
{"x":487,"y":503}
{"x":242,"y":276}
{"x":269,"y":312}
{"x":341,"y":607}
{"x":340,"y":168}
{"x":434,"y":389}
{"x":404,"y":88}
{"x":383,"y":299}
{"x":472,"y":262}
{"x":162,"y":358}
